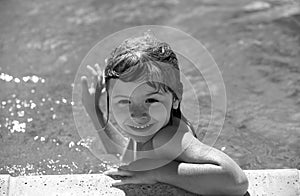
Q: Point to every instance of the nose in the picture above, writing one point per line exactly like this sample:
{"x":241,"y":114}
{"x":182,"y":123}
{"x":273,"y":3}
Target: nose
{"x":139,"y":115}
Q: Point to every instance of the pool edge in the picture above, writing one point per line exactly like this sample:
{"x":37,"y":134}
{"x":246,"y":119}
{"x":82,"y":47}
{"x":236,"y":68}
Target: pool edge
{"x":275,"y":182}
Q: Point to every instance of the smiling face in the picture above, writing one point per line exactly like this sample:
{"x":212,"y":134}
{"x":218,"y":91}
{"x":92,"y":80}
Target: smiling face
{"x":139,"y":109}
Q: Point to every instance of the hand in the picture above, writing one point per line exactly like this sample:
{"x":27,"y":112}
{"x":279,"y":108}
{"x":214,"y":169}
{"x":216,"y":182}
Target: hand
{"x":134,"y":173}
{"x":131,"y":177}
{"x":94,"y":92}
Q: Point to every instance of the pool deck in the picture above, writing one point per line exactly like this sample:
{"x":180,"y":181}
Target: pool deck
{"x":269,"y":182}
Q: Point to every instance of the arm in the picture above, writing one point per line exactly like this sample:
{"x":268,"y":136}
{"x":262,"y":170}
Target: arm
{"x":198,"y":168}
{"x":111,"y":133}
{"x":112,"y":140}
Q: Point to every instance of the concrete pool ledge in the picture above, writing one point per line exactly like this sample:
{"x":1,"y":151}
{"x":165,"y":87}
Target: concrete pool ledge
{"x":267,"y":182}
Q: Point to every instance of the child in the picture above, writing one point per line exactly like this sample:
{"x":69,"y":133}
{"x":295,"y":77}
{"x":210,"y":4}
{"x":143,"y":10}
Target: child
{"x":143,"y":88}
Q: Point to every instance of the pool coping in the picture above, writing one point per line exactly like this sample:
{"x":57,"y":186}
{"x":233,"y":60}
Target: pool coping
{"x":277,"y":182}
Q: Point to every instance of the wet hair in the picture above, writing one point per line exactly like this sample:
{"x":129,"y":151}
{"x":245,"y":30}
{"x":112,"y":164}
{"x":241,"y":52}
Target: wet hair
{"x":146,"y":59}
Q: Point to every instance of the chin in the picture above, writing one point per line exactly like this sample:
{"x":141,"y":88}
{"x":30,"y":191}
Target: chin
{"x":140,"y":138}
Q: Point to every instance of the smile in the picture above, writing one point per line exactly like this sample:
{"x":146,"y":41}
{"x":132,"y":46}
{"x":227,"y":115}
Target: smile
{"x":141,"y":127}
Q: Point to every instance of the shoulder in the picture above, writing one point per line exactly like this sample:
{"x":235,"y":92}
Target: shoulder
{"x":172,"y":140}
{"x":179,"y":143}
{"x":170,"y":131}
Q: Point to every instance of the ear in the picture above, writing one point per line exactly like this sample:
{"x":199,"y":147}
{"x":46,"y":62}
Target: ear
{"x":175,"y":104}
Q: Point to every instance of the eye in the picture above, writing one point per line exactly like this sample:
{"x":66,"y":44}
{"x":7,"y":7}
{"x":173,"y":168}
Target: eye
{"x":151,"y":100}
{"x":124,"y":101}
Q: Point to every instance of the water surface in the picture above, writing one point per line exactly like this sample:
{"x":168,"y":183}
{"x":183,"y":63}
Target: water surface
{"x":43,"y":42}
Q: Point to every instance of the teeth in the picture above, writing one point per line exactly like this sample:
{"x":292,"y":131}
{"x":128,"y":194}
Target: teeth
{"x":141,"y":127}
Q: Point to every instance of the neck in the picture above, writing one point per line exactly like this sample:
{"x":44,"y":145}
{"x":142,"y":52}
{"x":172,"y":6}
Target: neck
{"x":139,"y":145}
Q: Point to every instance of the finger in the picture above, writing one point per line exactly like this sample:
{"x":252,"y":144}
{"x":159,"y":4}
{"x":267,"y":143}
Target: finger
{"x":98,"y":68}
{"x":102,"y":80}
{"x":117,"y":183}
{"x":95,"y":81}
{"x":97,"y":73}
{"x":84,"y":84}
{"x":94,"y":72}
{"x":103,"y":90}
{"x":126,"y":181}
{"x":124,"y":167}
{"x":92,"y":90}
{"x":110,"y":171}
{"x":117,"y":172}
{"x":100,"y":89}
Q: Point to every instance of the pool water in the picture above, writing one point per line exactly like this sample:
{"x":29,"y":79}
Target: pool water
{"x":43,"y":42}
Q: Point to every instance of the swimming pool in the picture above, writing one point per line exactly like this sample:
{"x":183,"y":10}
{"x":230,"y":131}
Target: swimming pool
{"x":42,"y":44}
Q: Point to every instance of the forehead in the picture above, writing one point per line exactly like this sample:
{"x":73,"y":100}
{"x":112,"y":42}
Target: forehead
{"x":118,"y":87}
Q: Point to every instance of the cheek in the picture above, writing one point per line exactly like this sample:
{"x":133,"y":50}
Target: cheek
{"x":158,"y":111}
{"x":120,"y":113}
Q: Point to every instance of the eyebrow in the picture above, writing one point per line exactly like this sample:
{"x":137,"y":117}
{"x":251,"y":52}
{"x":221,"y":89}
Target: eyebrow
{"x":154,"y":93}
{"x":120,"y":96}
{"x":148,"y":94}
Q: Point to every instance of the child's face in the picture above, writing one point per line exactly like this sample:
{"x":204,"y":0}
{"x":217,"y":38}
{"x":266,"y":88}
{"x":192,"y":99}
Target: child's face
{"x":138,"y":109}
